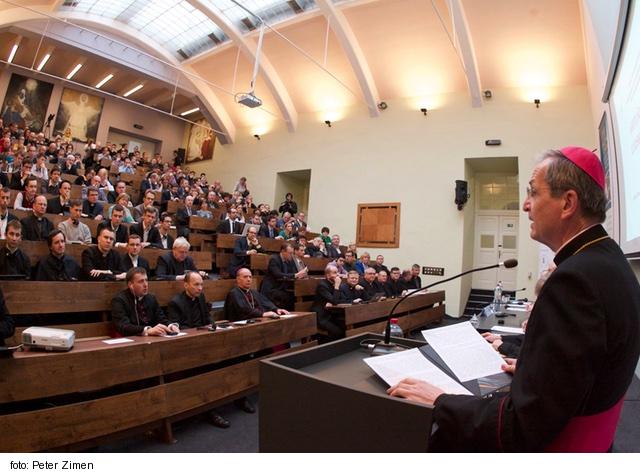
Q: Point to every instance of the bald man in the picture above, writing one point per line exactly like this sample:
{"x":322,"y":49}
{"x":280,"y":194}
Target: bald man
{"x":36,"y":227}
{"x":189,"y":308}
{"x":243,"y":302}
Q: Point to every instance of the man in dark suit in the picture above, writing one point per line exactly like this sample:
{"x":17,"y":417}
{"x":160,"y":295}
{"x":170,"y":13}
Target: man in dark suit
{"x":5,"y":215}
{"x":328,"y":294}
{"x":60,"y":205}
{"x":114,"y":224}
{"x":395,"y":286}
{"x":101,"y":262}
{"x":159,"y":236}
{"x":270,"y":230}
{"x":13,"y":261}
{"x":183,"y":215}
{"x":120,"y":188}
{"x":351,"y":291}
{"x":37,"y":227}
{"x":57,"y":266}
{"x":369,"y":283}
{"x":19,"y":177}
{"x":136,"y":312}
{"x":243,"y":249}
{"x":230,"y":225}
{"x":281,"y":273}
{"x":138,"y":211}
{"x":91,"y":208}
{"x":333,"y":250}
{"x":132,"y":258}
{"x":145,"y":226}
{"x":172,"y":265}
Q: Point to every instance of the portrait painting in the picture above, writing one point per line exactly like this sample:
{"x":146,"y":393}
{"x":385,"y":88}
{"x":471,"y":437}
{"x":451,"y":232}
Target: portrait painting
{"x":26,"y":102}
{"x":201,"y":142}
{"x":78,"y":115}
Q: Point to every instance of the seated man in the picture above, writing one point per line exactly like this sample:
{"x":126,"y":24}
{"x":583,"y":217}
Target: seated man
{"x":159,"y":236}
{"x":381,"y":282}
{"x":52,"y":185}
{"x":115,"y":225}
{"x":19,"y":178}
{"x":91,"y":208}
{"x":145,"y":226}
{"x":101,"y":262}
{"x":136,"y":312}
{"x":132,"y":258}
{"x":230,"y":225}
{"x":369,"y":283}
{"x":379,"y":264}
{"x":26,"y":198}
{"x":395,"y":285}
{"x":5,"y":215}
{"x":74,"y":230}
{"x":13,"y":261}
{"x":299,"y":254}
{"x":328,"y":294}
{"x":7,"y":326}
{"x":277,"y":284}
{"x":138,"y":211}
{"x":60,"y":205}
{"x":243,"y":249}
{"x":183,"y":215}
{"x":242,"y":302}
{"x":36,"y":227}
{"x":352,"y":292}
{"x":349,"y":261}
{"x":57,"y":266}
{"x":270,"y":230}
{"x":172,"y":266}
{"x":333,"y":250}
{"x":120,"y":188}
{"x":189,"y":308}
{"x":415,"y":282}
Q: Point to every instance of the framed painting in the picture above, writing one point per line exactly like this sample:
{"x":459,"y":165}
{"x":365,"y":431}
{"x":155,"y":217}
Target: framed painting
{"x":202,"y":140}
{"x":78,"y":115}
{"x":26,"y":102}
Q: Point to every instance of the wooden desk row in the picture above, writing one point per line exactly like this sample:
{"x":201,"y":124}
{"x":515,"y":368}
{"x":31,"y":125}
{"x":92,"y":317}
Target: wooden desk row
{"x":98,"y":390}
{"x":39,"y":249}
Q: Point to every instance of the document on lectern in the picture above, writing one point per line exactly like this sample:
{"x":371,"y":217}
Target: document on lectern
{"x":413,"y":364}
{"x":464,"y":351}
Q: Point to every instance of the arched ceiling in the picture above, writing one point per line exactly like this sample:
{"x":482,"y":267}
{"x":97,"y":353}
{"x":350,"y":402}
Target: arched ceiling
{"x":319,"y":56}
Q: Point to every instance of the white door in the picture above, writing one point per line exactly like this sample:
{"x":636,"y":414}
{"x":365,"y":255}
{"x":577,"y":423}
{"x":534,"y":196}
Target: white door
{"x":496,"y":240}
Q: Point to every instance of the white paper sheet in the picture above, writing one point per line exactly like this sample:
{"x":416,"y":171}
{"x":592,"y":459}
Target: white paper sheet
{"x":412,"y":364}
{"x":179,"y":334}
{"x":464,"y":351}
{"x":503,"y":329}
{"x":115,"y":341}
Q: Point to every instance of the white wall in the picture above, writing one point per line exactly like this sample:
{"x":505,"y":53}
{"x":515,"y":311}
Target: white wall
{"x":406,"y":157}
{"x":116,"y":114}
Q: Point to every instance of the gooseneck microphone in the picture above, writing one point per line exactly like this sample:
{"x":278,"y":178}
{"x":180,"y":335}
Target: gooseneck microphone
{"x":385,"y":347}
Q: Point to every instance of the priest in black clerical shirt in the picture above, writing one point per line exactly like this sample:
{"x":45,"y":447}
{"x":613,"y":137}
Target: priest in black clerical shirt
{"x":57,"y":266}
{"x":351,"y":291}
{"x":37,"y":227}
{"x":115,"y":224}
{"x":13,"y":261}
{"x":189,"y":308}
{"x":242,"y":302}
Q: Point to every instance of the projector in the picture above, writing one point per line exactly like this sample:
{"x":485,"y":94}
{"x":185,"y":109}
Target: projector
{"x":50,"y":339}
{"x":249,"y":100}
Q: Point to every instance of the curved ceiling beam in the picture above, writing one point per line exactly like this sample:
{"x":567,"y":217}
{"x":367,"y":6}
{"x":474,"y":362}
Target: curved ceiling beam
{"x":210,"y":104}
{"x":249,"y":49}
{"x":342,"y":29}
{"x":464,"y":47}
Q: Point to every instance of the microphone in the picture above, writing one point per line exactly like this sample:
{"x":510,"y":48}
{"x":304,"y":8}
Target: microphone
{"x":386,"y":347}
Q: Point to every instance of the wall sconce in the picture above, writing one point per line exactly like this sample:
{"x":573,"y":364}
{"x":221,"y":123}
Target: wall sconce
{"x":257,"y":137}
{"x":328,"y":123}
{"x":424,"y":111}
{"x":382,"y":106}
{"x":537,"y":102}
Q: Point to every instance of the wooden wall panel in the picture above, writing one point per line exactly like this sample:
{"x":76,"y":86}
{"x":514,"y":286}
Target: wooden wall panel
{"x":378,"y":225}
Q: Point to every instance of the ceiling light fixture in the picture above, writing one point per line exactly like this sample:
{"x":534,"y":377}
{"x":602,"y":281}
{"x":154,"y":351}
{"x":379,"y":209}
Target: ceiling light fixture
{"x":328,"y":123}
{"x":104,"y":81}
{"x":134,"y":90}
{"x":74,"y":71}
{"x":13,"y":52}
{"x":537,"y":102}
{"x":43,"y":62}
{"x":382,"y":106}
{"x":257,"y":137}
{"x":189,"y":111}
{"x":424,"y":111}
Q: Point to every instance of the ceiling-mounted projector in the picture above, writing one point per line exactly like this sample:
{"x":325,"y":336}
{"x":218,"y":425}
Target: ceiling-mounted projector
{"x":249,"y":100}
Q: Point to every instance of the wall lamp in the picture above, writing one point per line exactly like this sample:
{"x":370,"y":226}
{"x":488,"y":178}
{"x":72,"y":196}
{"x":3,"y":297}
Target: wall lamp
{"x":328,"y":123}
{"x":537,"y":102}
{"x":257,"y":137}
{"x":383,"y":106}
{"x":424,"y":111}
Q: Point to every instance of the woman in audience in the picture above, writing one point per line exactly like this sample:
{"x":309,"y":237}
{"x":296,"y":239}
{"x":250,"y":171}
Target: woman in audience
{"x":241,"y":187}
{"x":123,"y":199}
{"x":204,"y":211}
{"x":287,"y":232}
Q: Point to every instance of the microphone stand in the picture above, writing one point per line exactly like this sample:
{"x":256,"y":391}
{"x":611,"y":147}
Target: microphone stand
{"x":386,"y":347}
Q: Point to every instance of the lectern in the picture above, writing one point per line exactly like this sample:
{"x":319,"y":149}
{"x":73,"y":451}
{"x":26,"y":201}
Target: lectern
{"x":326,"y":399}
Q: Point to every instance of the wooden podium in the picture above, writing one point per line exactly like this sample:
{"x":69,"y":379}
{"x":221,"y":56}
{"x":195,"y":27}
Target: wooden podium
{"x":326,"y":399}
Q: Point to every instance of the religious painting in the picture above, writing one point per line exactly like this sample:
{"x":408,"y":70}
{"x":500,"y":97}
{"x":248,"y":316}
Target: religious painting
{"x":604,"y":156}
{"x":201,"y":142}
{"x":26,"y":102}
{"x":78,"y":116}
